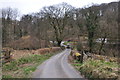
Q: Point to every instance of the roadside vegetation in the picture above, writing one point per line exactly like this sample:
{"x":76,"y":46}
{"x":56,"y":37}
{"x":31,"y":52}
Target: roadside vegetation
{"x":96,"y":69}
{"x":97,"y":66}
{"x":23,"y":67}
{"x":93,"y":29}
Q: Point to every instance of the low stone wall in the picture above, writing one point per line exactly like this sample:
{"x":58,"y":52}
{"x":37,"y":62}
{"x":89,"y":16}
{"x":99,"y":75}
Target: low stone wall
{"x":95,"y":56}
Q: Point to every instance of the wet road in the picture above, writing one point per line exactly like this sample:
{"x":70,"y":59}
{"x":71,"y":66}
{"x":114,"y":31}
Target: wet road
{"x":57,"y":67}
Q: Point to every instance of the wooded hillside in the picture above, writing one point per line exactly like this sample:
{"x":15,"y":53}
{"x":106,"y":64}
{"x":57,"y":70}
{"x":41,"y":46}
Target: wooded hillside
{"x":60,"y":22}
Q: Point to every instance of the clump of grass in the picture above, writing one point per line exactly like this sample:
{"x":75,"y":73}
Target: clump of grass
{"x":11,"y":66}
{"x":29,"y":59}
{"x":28,"y":70}
{"x":77,"y":64}
{"x":6,"y":76}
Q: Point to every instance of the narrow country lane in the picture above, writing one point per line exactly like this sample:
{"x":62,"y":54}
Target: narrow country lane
{"x":57,"y":67}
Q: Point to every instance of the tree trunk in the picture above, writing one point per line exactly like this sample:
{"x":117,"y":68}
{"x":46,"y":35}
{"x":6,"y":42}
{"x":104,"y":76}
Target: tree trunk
{"x":102,"y":44}
{"x":59,"y":42}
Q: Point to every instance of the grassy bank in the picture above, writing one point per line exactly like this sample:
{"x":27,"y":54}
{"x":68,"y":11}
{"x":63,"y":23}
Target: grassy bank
{"x":95,"y":69}
{"x":23,"y":67}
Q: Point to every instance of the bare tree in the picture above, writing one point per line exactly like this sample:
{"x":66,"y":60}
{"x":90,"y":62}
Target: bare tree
{"x":108,"y":26}
{"x":9,"y":16}
{"x":57,"y":16}
{"x":26,"y":24}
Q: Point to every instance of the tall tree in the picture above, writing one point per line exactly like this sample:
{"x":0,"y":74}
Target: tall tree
{"x":9,"y":16}
{"x":57,"y":16}
{"x":91,"y":17}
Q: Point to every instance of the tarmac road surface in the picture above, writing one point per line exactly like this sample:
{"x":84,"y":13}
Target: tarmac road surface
{"x":57,"y":67}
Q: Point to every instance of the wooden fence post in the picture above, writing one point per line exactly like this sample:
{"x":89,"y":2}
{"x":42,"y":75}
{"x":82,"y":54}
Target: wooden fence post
{"x":81,"y":57}
{"x":6,"y":55}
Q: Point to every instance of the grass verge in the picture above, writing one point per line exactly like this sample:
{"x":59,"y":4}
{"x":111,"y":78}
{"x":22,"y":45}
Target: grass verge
{"x":23,"y":67}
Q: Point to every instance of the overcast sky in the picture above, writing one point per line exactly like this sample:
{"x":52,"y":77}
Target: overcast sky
{"x":29,"y":6}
